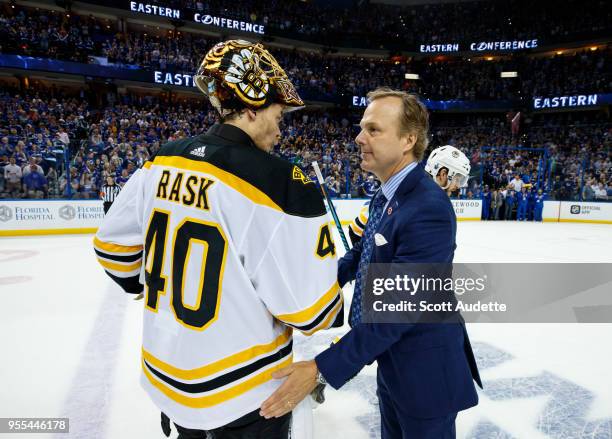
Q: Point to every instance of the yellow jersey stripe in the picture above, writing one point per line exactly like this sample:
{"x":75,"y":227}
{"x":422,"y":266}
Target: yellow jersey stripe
{"x":120,"y":267}
{"x":312,"y":311}
{"x":325,"y":323}
{"x":219,"y":365}
{"x":116,"y":248}
{"x":245,"y":188}
{"x":356,"y":228}
{"x":219,"y":397}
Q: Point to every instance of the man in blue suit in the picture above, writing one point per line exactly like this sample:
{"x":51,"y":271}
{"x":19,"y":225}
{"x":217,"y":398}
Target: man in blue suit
{"x":426,"y":371}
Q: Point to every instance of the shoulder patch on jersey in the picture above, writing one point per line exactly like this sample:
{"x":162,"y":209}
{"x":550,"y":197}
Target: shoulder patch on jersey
{"x":299,"y":175}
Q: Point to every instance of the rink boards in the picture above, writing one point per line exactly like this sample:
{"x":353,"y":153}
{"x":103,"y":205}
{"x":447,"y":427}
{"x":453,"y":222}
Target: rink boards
{"x":43,"y":217}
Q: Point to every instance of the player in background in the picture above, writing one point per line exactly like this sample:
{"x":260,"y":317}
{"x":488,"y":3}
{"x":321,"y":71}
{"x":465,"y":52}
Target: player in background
{"x":509,"y":202}
{"x":531,"y":202}
{"x":447,"y":165}
{"x":523,"y":202}
{"x":233,"y":249}
{"x":486,"y":202}
{"x":539,"y":205}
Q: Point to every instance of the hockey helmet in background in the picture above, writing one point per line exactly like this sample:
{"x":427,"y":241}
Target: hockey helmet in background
{"x":454,"y":160}
{"x":237,"y":74}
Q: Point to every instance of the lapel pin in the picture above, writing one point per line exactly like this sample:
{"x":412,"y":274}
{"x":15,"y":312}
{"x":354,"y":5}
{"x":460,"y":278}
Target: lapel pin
{"x":389,"y":210}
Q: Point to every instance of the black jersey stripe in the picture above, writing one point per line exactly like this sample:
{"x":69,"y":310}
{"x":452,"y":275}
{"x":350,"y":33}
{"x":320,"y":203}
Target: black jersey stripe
{"x":119,"y":258}
{"x":225,"y":379}
{"x":320,"y":317}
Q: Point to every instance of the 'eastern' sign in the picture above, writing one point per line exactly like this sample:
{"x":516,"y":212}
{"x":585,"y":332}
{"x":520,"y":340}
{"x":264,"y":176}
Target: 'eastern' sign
{"x":565,"y":101}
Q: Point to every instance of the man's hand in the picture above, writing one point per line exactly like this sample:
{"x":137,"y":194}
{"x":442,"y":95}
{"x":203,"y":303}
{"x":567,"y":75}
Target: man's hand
{"x":301,"y":380}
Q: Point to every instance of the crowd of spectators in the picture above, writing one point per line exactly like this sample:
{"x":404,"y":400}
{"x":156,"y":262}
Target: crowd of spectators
{"x":59,"y":134}
{"x":61,"y":147}
{"x":51,"y":34}
{"x":320,"y":76}
{"x":353,"y":23}
{"x":561,"y":154}
{"x":54,"y":144}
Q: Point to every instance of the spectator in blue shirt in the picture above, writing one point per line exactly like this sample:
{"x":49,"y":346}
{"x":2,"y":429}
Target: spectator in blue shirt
{"x":123,"y":177}
{"x":5,"y":147}
{"x":34,"y":184}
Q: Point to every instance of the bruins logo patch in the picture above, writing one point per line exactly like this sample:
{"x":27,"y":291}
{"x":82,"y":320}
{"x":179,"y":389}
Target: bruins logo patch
{"x":299,"y":175}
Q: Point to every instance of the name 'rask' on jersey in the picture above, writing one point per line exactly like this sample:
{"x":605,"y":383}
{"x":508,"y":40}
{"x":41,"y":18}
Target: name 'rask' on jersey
{"x":183,"y":190}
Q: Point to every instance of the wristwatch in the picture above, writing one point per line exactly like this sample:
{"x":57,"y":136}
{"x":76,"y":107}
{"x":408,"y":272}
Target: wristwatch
{"x":318,"y":393}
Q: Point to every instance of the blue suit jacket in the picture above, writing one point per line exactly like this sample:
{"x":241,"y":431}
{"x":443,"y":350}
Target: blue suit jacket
{"x":428,"y":368}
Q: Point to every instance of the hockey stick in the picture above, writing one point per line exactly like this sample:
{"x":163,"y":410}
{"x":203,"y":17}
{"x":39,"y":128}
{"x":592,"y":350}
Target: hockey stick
{"x":315,"y":165}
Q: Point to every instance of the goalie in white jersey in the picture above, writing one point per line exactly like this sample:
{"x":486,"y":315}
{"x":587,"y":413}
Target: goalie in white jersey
{"x":233,"y":249}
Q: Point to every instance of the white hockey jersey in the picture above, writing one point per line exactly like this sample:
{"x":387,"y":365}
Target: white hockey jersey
{"x":234,"y":249}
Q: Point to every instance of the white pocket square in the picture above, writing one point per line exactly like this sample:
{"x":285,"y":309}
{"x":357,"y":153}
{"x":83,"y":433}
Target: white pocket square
{"x":379,"y":239}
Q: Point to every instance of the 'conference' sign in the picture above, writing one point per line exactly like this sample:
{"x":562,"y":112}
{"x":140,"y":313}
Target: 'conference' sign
{"x":503,"y":45}
{"x":565,"y":101}
{"x":228,"y":23}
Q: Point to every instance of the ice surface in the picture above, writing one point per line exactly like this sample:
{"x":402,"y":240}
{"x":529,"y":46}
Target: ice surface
{"x":71,"y":344}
